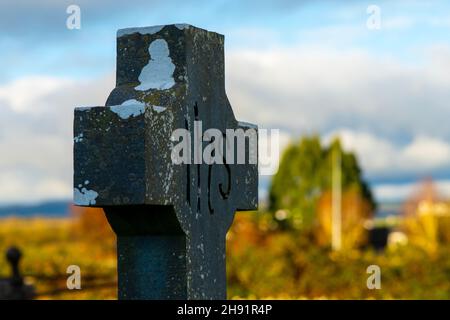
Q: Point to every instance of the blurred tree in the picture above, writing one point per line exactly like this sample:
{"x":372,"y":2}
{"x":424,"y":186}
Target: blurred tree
{"x":304,"y":175}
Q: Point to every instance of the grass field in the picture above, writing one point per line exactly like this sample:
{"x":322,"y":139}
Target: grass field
{"x":49,"y":246}
{"x":261,"y":263}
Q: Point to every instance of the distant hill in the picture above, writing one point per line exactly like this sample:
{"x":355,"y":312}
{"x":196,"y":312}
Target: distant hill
{"x":47,"y":209}
{"x":62,"y":209}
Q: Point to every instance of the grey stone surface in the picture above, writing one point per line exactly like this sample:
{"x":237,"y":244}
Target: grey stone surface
{"x":171,"y":219}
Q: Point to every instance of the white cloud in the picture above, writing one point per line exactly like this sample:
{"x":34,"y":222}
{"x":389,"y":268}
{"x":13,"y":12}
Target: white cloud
{"x":402,"y":191}
{"x":421,"y":155}
{"x":425,"y":152}
{"x":24,"y":94}
{"x":375,"y":154}
{"x":390,"y":111}
{"x":23,"y":186}
{"x":393,"y":192}
{"x":305,"y":89}
{"x":36,"y":134}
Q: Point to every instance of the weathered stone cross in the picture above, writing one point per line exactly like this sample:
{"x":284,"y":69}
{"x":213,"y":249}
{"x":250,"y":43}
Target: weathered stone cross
{"x":170,"y":219}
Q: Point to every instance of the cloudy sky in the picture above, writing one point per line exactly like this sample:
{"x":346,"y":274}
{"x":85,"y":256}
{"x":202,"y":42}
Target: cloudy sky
{"x":300,"y":66}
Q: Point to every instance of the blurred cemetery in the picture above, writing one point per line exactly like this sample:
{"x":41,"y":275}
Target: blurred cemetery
{"x":358,"y":92}
{"x":285,"y":250}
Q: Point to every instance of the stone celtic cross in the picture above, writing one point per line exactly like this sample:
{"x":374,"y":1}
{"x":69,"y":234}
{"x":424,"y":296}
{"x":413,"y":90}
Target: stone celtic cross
{"x":170,"y":218}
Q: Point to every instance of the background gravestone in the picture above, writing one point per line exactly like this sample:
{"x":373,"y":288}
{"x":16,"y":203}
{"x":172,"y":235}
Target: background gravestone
{"x":170,"y":219}
{"x":14,"y":287}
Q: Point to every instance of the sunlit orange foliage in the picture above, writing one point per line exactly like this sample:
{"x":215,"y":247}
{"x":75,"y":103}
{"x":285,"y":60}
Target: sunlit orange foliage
{"x":92,"y":223}
{"x":427,"y":217}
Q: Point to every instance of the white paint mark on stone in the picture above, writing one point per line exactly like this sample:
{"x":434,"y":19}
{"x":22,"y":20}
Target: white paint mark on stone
{"x":168,"y":180}
{"x":246,"y":124}
{"x":129,"y":108}
{"x":158,"y":73}
{"x":159,"y":109}
{"x":201,"y":247}
{"x":83,"y":108}
{"x":182,"y":26}
{"x":143,"y":30}
{"x":132,"y":102}
{"x":78,"y":138}
{"x":84,"y":197}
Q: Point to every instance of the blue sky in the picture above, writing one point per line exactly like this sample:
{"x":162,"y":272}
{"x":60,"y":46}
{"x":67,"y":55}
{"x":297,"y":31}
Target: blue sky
{"x":300,"y":66}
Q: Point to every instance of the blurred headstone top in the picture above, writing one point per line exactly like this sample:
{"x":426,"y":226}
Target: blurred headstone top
{"x":14,"y":288}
